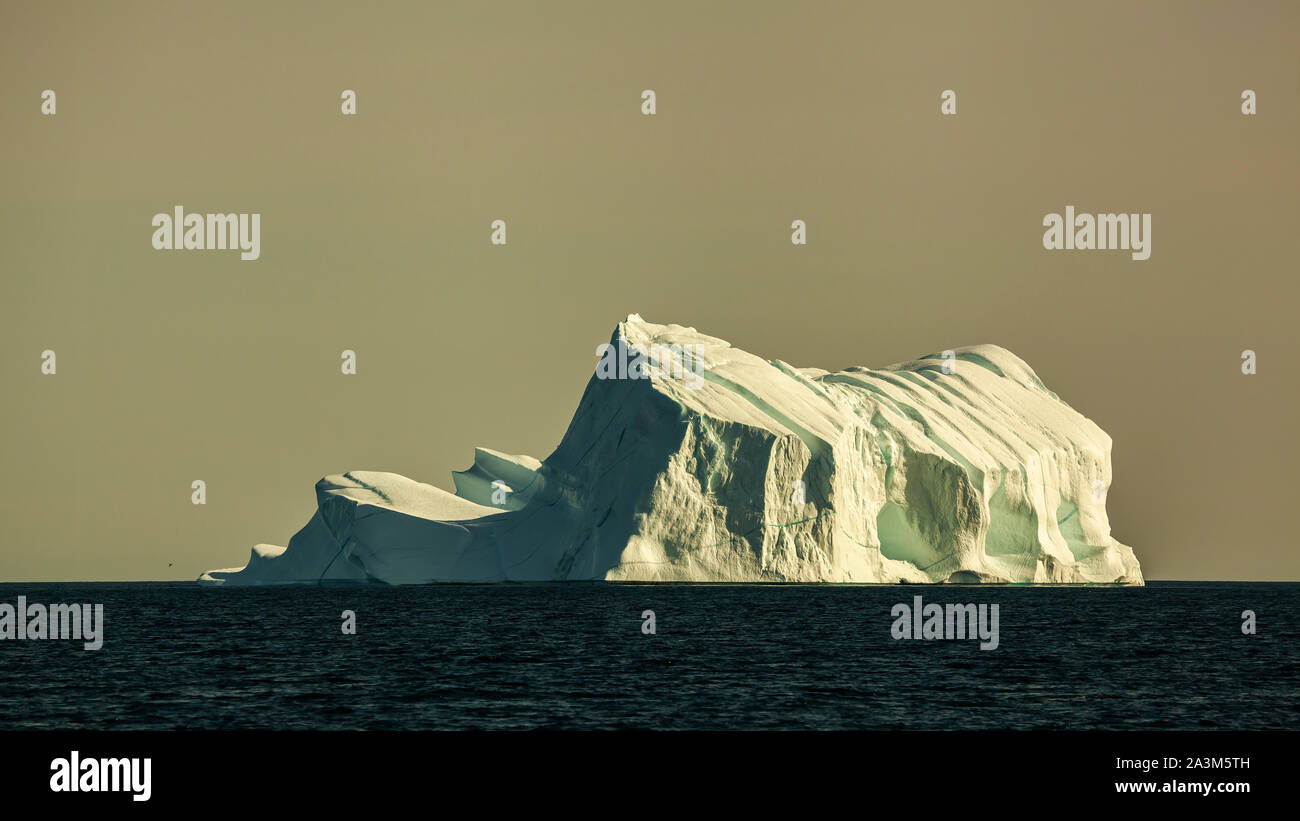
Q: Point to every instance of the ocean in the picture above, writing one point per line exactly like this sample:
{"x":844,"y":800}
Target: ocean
{"x":1171,"y":655}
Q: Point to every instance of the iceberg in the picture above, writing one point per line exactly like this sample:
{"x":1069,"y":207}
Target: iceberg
{"x":960,"y":467}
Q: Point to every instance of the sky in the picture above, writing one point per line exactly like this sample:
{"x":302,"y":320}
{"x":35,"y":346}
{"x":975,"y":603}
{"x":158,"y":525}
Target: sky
{"x":924,"y":233}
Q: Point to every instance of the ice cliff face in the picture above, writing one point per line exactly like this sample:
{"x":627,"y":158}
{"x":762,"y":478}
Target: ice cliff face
{"x":736,"y":469}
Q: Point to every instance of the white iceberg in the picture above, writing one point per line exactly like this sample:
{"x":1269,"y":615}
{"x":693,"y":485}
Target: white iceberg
{"x":750,"y":471}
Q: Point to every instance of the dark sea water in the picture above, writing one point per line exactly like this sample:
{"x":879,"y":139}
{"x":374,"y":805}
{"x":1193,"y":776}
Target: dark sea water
{"x":573,"y":656}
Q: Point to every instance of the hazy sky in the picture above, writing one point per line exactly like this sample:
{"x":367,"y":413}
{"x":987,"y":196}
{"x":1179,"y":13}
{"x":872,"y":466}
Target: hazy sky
{"x":924,"y":233}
